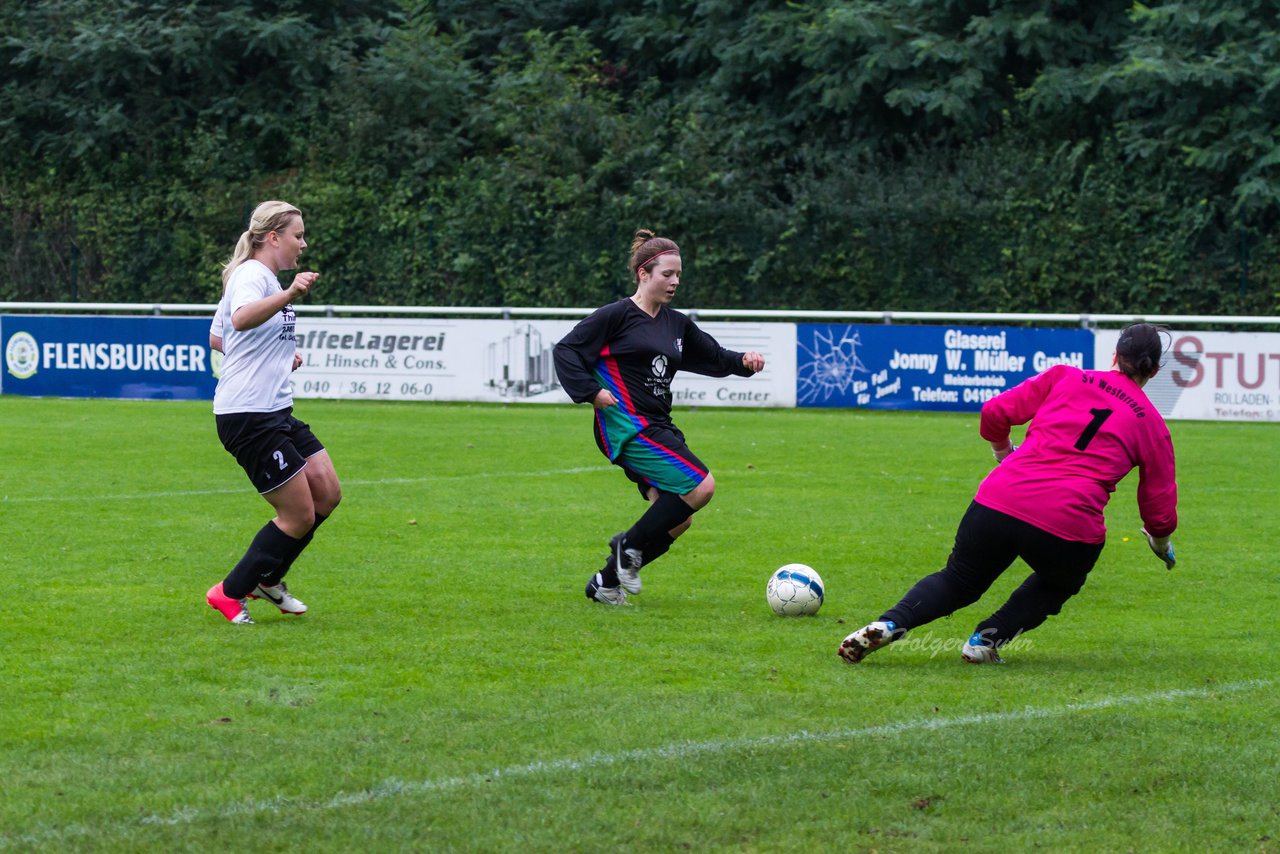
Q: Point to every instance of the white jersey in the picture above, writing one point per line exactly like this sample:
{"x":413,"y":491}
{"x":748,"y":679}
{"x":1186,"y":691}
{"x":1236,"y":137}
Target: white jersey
{"x":256,"y":363}
{"x":215,"y":328}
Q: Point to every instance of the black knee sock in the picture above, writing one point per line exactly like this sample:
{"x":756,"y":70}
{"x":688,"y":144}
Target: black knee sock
{"x":278,"y":575}
{"x":268,"y":550}
{"x":650,"y":530}
{"x":657,"y":547}
{"x":609,"y":575}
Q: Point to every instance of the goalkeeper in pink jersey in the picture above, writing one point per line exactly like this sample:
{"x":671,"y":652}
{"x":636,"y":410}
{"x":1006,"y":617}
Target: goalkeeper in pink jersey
{"x":1044,"y":500}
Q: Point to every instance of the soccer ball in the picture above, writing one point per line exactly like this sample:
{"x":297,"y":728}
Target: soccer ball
{"x":795,"y":590}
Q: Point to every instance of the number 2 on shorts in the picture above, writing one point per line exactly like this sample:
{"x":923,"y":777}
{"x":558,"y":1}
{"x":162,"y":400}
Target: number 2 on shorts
{"x":278,"y":456}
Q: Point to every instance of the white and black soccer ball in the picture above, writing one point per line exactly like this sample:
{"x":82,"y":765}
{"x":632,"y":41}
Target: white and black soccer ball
{"x":795,"y":590}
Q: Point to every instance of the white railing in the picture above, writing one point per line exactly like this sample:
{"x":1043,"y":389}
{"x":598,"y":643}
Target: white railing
{"x":1087,"y":320}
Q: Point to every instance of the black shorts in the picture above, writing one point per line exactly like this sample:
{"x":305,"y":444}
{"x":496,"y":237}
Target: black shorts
{"x":271,"y":447}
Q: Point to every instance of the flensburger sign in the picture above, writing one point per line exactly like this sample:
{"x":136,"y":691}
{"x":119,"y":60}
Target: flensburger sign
{"x":127,"y":357}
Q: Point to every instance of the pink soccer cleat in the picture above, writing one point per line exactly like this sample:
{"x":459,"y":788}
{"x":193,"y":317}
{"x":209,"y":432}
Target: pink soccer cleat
{"x":232,"y":609}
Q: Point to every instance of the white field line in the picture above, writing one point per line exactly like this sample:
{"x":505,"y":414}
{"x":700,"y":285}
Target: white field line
{"x":247,"y":490}
{"x":395,"y":788}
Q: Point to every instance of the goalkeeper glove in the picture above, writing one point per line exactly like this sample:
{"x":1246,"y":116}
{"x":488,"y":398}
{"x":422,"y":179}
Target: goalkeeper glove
{"x":1001,"y":453}
{"x":1162,"y":547}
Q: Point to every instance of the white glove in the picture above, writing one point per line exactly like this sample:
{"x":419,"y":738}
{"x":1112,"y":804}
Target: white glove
{"x":1001,"y":453}
{"x":1162,"y":547}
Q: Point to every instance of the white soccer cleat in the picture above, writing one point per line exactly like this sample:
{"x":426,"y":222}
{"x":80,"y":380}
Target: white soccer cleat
{"x":611,"y":595}
{"x":280,"y":596}
{"x":977,"y":651}
{"x":605,"y":595}
{"x":866,"y":640}
{"x":628,"y":563}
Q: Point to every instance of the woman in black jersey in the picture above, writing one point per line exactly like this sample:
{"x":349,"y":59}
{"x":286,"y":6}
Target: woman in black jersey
{"x":621,"y":359}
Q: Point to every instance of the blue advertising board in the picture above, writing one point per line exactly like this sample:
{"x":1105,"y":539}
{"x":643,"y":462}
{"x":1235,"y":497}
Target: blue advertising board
{"x":949,"y":368}
{"x":121,"y":357}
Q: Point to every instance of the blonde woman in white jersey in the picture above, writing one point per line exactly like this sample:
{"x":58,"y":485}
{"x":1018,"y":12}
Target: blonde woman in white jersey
{"x":253,"y":406}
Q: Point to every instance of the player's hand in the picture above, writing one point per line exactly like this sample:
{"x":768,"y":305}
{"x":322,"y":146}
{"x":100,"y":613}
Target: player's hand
{"x":1162,"y":548}
{"x":302,"y":283}
{"x":604,"y":398}
{"x":297,"y":361}
{"x":1001,"y":451}
{"x":753,"y":362}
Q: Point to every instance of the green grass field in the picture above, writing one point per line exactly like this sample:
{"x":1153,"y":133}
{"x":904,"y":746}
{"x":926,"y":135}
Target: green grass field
{"x":451,"y":689}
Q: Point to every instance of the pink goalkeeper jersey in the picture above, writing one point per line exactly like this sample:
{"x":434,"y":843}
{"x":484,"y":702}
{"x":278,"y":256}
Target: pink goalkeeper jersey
{"x":1088,"y":430}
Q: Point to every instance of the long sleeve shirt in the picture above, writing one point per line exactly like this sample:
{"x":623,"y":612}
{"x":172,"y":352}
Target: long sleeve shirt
{"x":1088,"y":430}
{"x":621,"y":348}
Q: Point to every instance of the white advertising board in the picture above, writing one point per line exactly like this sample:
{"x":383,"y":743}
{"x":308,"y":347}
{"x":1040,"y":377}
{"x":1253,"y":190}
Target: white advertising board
{"x":505,"y":361}
{"x":1212,"y":376}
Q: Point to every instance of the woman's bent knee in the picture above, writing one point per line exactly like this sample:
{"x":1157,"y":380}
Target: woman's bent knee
{"x":296,"y":523}
{"x":702,"y":493}
{"x":327,"y":502}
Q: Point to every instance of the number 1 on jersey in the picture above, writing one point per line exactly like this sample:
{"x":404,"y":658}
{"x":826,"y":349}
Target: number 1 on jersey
{"x":1091,"y":429}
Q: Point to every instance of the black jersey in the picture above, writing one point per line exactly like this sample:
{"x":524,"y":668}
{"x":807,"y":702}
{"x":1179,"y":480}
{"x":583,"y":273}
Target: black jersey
{"x":635,"y":356}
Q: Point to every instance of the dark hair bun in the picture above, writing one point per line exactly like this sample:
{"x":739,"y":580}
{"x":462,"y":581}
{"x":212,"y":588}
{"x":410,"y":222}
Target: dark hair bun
{"x":645,"y":247}
{"x":642,"y":236}
{"x":1139,"y":349}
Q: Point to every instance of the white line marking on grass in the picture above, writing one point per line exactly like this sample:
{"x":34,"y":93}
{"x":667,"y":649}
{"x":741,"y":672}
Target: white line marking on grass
{"x":393,"y":788}
{"x":385,"y":481}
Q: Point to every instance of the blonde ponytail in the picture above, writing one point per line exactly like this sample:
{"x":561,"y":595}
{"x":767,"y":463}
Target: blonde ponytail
{"x":267,"y":217}
{"x":243,"y":252}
